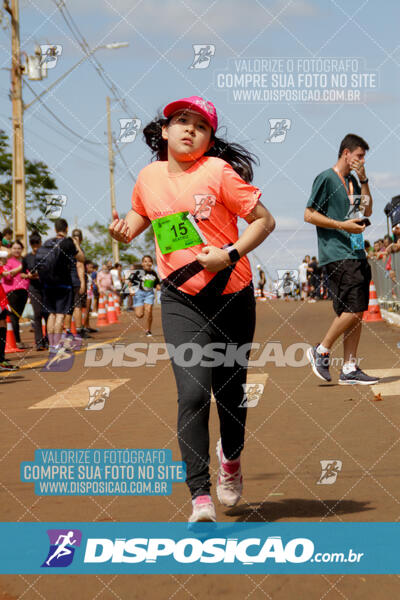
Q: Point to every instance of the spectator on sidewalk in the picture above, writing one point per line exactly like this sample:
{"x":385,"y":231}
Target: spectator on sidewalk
{"x":129,"y":288}
{"x":16,"y":288}
{"x":5,"y":364}
{"x":261,"y":281}
{"x":368,"y":249}
{"x":315,"y":279}
{"x":35,"y":291}
{"x":104,"y":280}
{"x":303,"y":278}
{"x":116,"y":274}
{"x":395,"y":246}
{"x":79,"y":289}
{"x":89,"y":267}
{"x":54,"y":260}
{"x":95,"y":304}
{"x":6,"y":240}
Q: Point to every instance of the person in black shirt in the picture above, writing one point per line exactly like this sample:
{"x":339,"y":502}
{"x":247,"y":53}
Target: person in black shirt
{"x":146,"y":281}
{"x":35,"y":291}
{"x":315,"y":279}
{"x":78,"y":289}
{"x":58,"y":295}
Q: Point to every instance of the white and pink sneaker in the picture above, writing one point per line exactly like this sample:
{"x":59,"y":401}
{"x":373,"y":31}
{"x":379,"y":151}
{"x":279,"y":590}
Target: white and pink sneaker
{"x":230,"y":480}
{"x":203,"y":510}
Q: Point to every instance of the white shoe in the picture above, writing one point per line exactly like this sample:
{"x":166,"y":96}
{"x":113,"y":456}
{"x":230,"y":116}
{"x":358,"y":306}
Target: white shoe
{"x":203,"y":510}
{"x":229,"y":484}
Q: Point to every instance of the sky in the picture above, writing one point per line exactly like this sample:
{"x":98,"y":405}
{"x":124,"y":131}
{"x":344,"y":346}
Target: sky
{"x":290,"y":37}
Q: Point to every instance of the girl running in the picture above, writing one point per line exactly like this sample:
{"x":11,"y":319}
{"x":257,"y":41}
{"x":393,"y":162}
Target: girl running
{"x":192,"y":195}
{"x":147,"y":281}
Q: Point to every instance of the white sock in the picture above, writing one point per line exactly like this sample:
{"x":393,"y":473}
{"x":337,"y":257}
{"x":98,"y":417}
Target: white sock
{"x":348,"y":367}
{"x":322,"y":350}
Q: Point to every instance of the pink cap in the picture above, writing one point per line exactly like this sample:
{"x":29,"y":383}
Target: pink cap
{"x":204,"y":107}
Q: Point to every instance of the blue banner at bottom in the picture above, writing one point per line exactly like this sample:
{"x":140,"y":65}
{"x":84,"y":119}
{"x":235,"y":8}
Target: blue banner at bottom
{"x":282,"y":548}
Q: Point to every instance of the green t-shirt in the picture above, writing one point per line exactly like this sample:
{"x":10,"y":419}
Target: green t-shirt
{"x":329,"y":197}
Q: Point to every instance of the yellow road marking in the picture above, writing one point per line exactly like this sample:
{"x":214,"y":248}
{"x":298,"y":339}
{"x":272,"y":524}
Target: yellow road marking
{"x":252,"y":378}
{"x":76,"y":395}
{"x":42,"y":362}
{"x":390,"y":387}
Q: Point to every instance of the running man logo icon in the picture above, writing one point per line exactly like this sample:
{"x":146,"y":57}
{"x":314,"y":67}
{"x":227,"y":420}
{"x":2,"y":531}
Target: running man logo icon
{"x":128,"y":130}
{"x":62,"y":547}
{"x":330,"y":470}
{"x":50,"y":54}
{"x":54,"y":205}
{"x":62,"y":358}
{"x":252,"y":394}
{"x":97,"y":397}
{"x":286,"y":279}
{"x":358,"y":204}
{"x":278,"y":129}
{"x":202,"y":55}
{"x":204,"y":203}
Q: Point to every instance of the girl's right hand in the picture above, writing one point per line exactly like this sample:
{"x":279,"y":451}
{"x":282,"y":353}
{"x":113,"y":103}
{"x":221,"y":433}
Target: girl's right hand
{"x":119,"y":229}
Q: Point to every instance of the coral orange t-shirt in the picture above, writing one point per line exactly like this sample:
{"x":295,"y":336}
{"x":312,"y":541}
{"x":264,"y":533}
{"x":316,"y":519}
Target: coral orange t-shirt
{"x":215,"y":195}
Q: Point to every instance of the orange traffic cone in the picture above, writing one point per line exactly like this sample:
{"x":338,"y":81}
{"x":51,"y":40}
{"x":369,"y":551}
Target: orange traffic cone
{"x":111,"y":314}
{"x":11,"y":344}
{"x":102,"y":320}
{"x":73,"y":326}
{"x":374,"y":312}
{"x":44,"y":332}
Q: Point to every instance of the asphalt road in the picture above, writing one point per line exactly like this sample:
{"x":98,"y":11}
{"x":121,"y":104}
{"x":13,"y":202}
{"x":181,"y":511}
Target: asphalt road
{"x":297,"y":422}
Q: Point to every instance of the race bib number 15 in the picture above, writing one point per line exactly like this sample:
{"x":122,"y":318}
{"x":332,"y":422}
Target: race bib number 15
{"x":177,"y":232}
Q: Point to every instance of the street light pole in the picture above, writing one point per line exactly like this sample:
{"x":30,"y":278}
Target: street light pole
{"x":18,"y":159}
{"x":112,"y":46}
{"x":115,"y":245}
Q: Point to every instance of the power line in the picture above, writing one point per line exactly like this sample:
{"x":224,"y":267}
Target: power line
{"x":124,"y":161}
{"x":59,"y":120}
{"x":81,"y":40}
{"x":66,"y":137}
{"x":81,"y":158}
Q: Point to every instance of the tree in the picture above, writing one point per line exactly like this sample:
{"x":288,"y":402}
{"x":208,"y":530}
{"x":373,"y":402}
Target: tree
{"x":100,"y":250}
{"x":38,"y":183}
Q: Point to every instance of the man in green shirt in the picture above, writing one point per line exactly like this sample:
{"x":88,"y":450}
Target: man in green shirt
{"x":337,"y":206}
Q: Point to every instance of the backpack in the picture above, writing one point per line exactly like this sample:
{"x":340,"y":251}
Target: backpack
{"x":47,"y":259}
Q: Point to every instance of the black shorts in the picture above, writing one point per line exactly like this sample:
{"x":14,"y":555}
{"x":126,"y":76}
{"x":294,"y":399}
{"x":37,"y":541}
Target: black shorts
{"x":58,"y":300}
{"x":3,"y":314}
{"x":349,"y":281}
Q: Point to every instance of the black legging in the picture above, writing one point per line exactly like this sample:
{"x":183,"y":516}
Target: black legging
{"x":17,"y":300}
{"x":190,"y":319}
{"x":39,"y":312}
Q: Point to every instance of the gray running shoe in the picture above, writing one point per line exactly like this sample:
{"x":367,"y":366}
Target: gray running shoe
{"x":319,"y":363}
{"x":357,"y":377}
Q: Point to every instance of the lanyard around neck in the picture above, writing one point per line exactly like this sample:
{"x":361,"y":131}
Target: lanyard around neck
{"x":350,"y":189}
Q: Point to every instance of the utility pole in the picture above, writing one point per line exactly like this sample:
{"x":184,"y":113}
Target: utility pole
{"x":115,"y":246}
{"x":18,"y":160}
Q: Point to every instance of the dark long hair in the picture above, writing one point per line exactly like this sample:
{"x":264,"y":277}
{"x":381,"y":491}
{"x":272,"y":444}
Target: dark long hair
{"x":240,"y":159}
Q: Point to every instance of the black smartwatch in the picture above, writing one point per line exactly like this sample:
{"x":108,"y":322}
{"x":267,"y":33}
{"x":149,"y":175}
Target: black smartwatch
{"x":365,"y":181}
{"x":234,"y":255}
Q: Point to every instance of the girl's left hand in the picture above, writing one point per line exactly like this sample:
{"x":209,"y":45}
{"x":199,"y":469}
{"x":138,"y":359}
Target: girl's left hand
{"x":213,"y":259}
